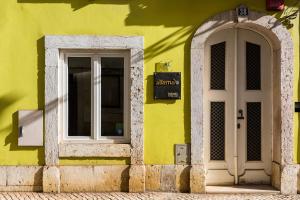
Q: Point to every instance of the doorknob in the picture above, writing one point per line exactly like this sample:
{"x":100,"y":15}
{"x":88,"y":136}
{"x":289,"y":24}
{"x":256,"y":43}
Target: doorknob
{"x":241,"y":115}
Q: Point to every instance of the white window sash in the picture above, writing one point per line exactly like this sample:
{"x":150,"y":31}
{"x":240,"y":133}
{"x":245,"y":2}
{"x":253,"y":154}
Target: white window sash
{"x":95,"y":98}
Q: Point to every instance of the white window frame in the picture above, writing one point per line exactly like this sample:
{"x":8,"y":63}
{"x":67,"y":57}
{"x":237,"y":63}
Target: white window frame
{"x":95,"y":95}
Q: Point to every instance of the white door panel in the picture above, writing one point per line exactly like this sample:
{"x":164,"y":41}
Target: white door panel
{"x":224,"y":95}
{"x":254,"y":88}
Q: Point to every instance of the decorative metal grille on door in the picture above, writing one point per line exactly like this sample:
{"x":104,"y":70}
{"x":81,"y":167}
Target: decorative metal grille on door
{"x":253,"y":66}
{"x":253,"y":131}
{"x":217,"y":60}
{"x":217,"y":131}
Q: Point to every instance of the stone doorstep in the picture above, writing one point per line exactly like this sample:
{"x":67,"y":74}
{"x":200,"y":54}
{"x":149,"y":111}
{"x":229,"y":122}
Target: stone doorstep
{"x":242,"y":189}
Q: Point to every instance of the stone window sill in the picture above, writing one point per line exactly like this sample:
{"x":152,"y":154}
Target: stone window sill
{"x":94,"y":150}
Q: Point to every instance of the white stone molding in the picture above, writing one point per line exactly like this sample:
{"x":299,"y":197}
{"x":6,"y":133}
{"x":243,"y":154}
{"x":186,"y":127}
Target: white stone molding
{"x":51,"y":179}
{"x":282,"y":44}
{"x":21,"y":178}
{"x":94,"y":178}
{"x":197,"y":179}
{"x":137,"y":174}
{"x":53,"y":148}
{"x":94,"y":150}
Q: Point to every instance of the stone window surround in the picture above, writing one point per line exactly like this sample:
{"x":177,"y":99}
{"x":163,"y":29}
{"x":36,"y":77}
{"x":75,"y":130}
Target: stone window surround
{"x":53,"y":148}
{"x":272,"y":29}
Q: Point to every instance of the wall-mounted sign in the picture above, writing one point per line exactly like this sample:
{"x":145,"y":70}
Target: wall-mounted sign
{"x":167,"y":85}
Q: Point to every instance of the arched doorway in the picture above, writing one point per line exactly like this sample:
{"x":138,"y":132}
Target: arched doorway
{"x":281,"y":170}
{"x":237,"y":100}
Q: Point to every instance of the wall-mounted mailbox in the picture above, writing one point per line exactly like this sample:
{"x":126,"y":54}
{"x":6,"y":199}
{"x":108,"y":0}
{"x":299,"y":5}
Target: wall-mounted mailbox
{"x":167,"y":85}
{"x":297,"y":106}
{"x":30,"y":126}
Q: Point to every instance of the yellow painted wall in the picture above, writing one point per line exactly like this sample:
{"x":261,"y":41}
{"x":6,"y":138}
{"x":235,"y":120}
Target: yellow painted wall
{"x":167,"y":27}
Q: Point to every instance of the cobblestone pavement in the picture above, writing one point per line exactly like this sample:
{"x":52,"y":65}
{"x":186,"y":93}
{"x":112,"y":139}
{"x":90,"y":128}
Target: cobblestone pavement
{"x":140,"y":196}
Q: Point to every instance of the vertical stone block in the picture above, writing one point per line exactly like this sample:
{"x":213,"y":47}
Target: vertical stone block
{"x":183,"y":178}
{"x":153,"y":177}
{"x":168,"y":178}
{"x":3,"y":176}
{"x":276,"y":175}
{"x":197,"y":179}
{"x":289,"y":179}
{"x":51,"y":179}
{"x":137,"y":178}
{"x":298,"y":181}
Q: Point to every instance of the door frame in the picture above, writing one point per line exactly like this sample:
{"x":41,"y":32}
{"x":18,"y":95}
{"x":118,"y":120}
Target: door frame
{"x":284,"y":171}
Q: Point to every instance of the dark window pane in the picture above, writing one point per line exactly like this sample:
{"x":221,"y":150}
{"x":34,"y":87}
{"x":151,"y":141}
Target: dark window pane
{"x":253,"y":66}
{"x":217,"y":131}
{"x":112,"y":92}
{"x":79,"y":96}
{"x":217,"y":60}
{"x":253,"y":131}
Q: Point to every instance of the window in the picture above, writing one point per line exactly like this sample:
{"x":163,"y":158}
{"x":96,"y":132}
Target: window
{"x":95,"y":88}
{"x":95,"y":62}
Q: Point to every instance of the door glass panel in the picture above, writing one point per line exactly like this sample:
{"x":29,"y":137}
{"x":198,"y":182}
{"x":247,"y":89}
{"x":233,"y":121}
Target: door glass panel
{"x":217,"y":60}
{"x":112,"y":92}
{"x":79,"y":96}
{"x":253,"y":66}
{"x":253,"y":131}
{"x":217,"y":131}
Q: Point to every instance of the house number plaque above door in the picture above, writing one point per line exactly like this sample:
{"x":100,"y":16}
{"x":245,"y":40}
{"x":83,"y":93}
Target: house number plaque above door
{"x":167,"y":85}
{"x":242,"y":11}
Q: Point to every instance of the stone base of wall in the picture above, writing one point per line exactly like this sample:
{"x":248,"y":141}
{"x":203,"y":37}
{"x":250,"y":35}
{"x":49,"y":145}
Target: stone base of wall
{"x":106,"y":178}
{"x":51,"y":179}
{"x":276,"y":175}
{"x":113,"y":178}
{"x":125,"y":178}
{"x":21,"y":178}
{"x":137,"y":178}
{"x":197,"y":182}
{"x":288,"y":183}
{"x":168,"y":178}
{"x":94,"y":178}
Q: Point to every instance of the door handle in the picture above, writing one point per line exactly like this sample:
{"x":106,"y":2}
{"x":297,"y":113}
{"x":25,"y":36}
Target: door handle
{"x":241,"y":114}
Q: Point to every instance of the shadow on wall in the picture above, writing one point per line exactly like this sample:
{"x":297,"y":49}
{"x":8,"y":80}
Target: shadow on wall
{"x":187,"y":15}
{"x":7,"y":100}
{"x":12,"y":98}
{"x":12,"y":140}
{"x":173,"y":12}
{"x":41,"y":73}
{"x":146,"y":12}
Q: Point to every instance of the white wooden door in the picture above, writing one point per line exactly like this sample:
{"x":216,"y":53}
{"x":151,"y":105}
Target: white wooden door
{"x":254,"y":101}
{"x":237,"y":108}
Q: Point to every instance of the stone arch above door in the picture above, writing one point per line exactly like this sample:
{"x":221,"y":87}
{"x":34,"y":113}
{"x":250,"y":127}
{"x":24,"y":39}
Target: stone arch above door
{"x":282,"y":45}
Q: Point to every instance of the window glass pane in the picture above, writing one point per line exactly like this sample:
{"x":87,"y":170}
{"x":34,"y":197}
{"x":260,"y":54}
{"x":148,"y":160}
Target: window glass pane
{"x":79,"y":96}
{"x":112,"y":92}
